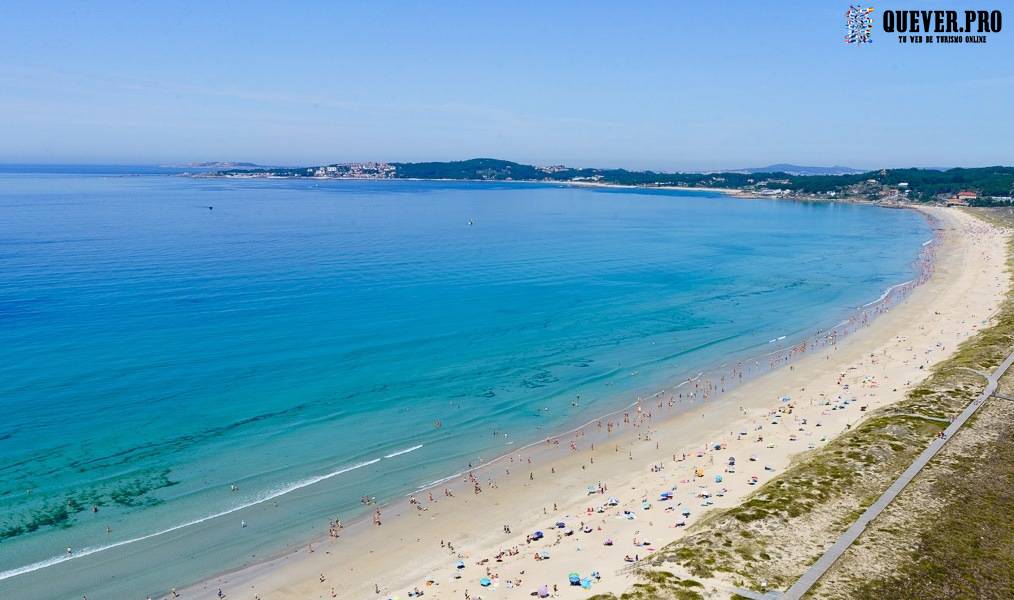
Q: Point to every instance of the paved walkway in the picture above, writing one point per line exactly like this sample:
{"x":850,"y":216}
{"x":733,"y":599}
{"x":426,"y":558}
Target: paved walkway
{"x":817,"y":570}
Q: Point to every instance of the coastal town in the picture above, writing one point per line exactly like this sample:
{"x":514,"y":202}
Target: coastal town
{"x":985,"y":186}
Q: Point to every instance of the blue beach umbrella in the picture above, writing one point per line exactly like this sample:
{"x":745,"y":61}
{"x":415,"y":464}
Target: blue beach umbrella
{"x":485,"y":582}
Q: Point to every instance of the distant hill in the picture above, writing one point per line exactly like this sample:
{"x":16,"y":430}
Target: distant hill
{"x":779,"y":180}
{"x":802,"y":170}
{"x":475,"y":168}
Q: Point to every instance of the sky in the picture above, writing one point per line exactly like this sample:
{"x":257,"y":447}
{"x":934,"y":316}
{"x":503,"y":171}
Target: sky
{"x":645,"y":85}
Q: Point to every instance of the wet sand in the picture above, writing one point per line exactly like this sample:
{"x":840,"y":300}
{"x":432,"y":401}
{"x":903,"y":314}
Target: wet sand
{"x":419,"y":544}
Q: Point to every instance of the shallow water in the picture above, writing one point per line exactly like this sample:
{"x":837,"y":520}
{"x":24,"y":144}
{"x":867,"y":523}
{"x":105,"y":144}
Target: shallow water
{"x":311,"y":342}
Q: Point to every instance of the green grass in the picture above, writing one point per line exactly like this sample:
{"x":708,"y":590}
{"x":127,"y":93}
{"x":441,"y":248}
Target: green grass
{"x":965,"y":549}
{"x":840,"y":480}
{"x":658,"y":585}
{"x":856,"y":467}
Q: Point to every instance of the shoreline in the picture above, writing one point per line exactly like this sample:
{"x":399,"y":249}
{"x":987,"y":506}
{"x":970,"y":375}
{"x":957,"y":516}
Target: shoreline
{"x":733,"y":192}
{"x":268,"y":574}
{"x":544,"y":454}
{"x":593,"y":184}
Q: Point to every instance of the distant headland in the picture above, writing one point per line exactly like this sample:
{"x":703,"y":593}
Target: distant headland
{"x":981,"y":186}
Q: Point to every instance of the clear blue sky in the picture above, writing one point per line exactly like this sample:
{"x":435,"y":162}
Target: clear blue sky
{"x":663,"y":85}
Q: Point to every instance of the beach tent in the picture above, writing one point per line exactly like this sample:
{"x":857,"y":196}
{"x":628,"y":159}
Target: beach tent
{"x":485,"y":582}
{"x":593,"y":489}
{"x":543,"y":591}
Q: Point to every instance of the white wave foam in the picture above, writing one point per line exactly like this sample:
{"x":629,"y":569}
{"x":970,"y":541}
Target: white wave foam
{"x":886,"y":292}
{"x":438,"y":482}
{"x":265,"y":497}
{"x":405,"y":451}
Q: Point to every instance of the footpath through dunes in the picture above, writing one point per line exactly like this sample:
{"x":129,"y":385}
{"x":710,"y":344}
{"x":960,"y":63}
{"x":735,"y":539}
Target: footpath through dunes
{"x":925,"y":544}
{"x":950,"y":533}
{"x":465,"y":543}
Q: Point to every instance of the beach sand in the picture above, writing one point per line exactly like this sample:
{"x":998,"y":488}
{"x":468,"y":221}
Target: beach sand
{"x":410,"y":550}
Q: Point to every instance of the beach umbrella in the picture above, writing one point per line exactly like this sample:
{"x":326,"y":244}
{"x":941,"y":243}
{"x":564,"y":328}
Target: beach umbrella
{"x":586,"y":583}
{"x":686,"y":512}
{"x":544,"y":554}
{"x":485,"y":582}
{"x":460,"y":564}
{"x":608,"y":542}
{"x":560,"y":524}
{"x":538,"y":535}
{"x":543,"y":591}
{"x":574,"y":579}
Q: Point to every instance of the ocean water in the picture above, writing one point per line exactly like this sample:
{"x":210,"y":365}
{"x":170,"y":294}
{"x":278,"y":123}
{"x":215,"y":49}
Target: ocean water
{"x":312,"y":342}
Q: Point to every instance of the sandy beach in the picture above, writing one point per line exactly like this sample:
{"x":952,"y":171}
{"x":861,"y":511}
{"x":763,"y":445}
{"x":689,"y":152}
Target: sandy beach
{"x":444,"y":543}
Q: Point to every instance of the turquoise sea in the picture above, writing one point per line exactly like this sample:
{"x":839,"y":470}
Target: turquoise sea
{"x":164,"y":338}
